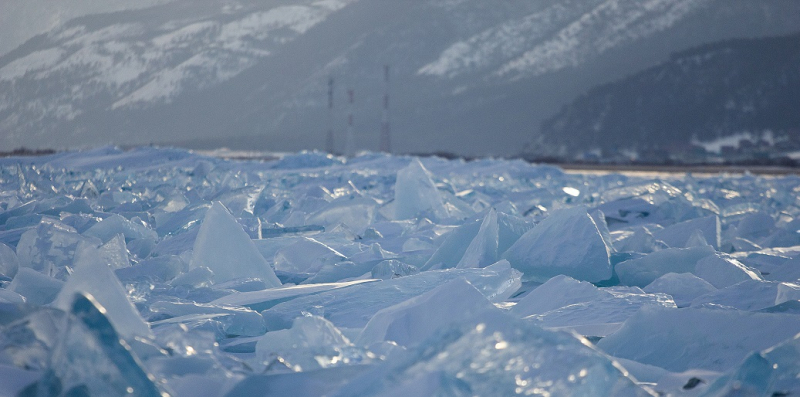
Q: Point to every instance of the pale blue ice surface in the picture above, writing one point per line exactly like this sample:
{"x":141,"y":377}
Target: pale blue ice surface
{"x":161,"y":271}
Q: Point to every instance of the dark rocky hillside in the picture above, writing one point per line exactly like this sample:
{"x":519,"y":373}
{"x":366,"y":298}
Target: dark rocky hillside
{"x":747,"y":86}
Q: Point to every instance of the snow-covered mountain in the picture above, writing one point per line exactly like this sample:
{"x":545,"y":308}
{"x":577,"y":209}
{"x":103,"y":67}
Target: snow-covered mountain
{"x":564,"y":34}
{"x":22,"y":20}
{"x":468,"y":76}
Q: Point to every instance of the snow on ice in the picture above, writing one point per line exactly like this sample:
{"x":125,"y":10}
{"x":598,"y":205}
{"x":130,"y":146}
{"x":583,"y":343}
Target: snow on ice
{"x":159,"y":272}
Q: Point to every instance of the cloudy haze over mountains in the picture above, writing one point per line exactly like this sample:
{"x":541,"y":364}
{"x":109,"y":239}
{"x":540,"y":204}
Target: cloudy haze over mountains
{"x":467,"y":76}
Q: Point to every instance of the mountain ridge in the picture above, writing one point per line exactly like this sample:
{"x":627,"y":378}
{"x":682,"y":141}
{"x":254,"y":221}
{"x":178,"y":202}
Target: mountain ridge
{"x":168,"y":74}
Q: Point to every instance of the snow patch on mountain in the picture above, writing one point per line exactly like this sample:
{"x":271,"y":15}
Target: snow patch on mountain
{"x":613,"y":23}
{"x":229,"y":50}
{"x":735,"y":140}
{"x":139,"y":68}
{"x":22,"y":20}
{"x":332,"y":5}
{"x":38,"y":60}
{"x":507,"y":40}
{"x":562,"y":35}
{"x":180,"y":37}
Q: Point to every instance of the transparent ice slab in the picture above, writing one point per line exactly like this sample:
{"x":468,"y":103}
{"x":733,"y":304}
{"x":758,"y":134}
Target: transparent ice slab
{"x":712,"y":339}
{"x":96,"y":278}
{"x":642,"y":271}
{"x":566,"y":303}
{"x":410,"y":322}
{"x":678,"y":234}
{"x":771,"y":372}
{"x":566,"y":242}
{"x":415,"y":193}
{"x":352,"y":307}
{"x":115,"y":224}
{"x":90,"y":358}
{"x":502,"y":356}
{"x":311,"y":343}
{"x":683,"y":287}
{"x":224,"y":247}
{"x":37,"y":288}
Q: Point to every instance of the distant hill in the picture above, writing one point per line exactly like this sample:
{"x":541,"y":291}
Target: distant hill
{"x":467,"y":76}
{"x":713,"y":93}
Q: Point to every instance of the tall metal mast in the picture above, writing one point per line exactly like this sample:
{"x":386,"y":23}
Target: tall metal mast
{"x":329,"y":144}
{"x":386,"y":138}
{"x":350,"y":143}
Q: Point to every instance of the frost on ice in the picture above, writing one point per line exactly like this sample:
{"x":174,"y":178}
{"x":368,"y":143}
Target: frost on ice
{"x":164,"y":272}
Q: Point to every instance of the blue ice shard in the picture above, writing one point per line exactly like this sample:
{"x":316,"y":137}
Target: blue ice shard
{"x":482,"y":251}
{"x":772,"y":372}
{"x":697,"y":338}
{"x":412,"y":321}
{"x":415,"y":194}
{"x":567,"y":242}
{"x":354,"y":306}
{"x":225,"y":248}
{"x":501,"y":357}
{"x":94,"y":277}
{"x":91,"y":357}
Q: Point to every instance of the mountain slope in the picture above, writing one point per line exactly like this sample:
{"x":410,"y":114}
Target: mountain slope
{"x":468,"y":76}
{"x":703,"y":94}
{"x":21,"y":20}
{"x":143,"y":59}
{"x":568,"y":34}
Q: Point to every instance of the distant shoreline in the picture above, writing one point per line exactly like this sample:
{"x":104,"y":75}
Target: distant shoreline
{"x":569,"y":167}
{"x":704,"y":169}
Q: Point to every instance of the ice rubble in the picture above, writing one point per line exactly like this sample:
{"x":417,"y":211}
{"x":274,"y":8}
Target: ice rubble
{"x":160,"y":271}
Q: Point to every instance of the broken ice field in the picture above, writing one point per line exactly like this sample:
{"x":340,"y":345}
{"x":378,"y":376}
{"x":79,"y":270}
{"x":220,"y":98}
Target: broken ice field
{"x":156,"y":272}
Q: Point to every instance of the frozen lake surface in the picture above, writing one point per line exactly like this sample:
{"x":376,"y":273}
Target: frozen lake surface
{"x":162,"y":271}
